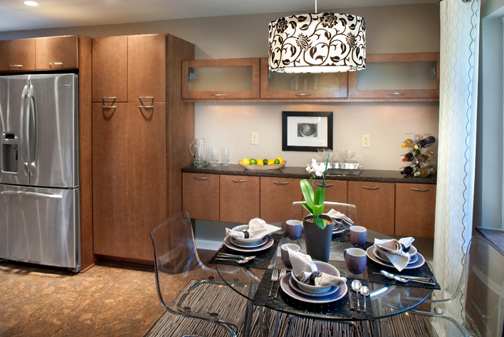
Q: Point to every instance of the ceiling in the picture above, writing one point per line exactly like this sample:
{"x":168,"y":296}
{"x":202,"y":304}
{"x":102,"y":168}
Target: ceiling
{"x":14,"y":15}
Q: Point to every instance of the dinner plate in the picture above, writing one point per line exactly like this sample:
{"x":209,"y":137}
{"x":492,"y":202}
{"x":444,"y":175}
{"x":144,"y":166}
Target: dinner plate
{"x":248,"y":240}
{"x":413,"y":259}
{"x":286,"y":288}
{"x":413,"y":251}
{"x":237,"y":243}
{"x":231,"y":246}
{"x":371,"y":255}
{"x":295,"y":287}
{"x":322,"y":267}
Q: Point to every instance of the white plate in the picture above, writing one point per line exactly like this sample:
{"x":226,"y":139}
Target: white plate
{"x":237,"y":243}
{"x":231,"y":246}
{"x":371,"y":255}
{"x":286,"y":288}
{"x":322,"y":267}
{"x":249,"y":240}
{"x":294,"y":287}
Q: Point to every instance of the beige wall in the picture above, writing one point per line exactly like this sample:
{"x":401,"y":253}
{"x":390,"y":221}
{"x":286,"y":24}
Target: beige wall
{"x":390,"y":29}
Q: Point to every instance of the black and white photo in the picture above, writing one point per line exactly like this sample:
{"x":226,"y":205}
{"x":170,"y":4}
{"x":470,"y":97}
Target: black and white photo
{"x":307,"y":131}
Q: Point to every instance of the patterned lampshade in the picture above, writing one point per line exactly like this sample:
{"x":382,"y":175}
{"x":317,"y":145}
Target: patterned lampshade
{"x":317,"y":43}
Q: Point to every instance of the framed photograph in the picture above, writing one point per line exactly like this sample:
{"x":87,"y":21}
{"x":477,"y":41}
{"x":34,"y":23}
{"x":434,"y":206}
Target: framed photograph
{"x":307,"y":131}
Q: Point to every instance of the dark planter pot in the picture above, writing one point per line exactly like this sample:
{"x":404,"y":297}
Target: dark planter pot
{"x":318,"y":242}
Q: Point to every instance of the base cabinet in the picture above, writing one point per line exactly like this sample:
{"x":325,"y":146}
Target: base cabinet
{"x":375,"y":205}
{"x":277,"y":195}
{"x":415,"y":210}
{"x":239,"y":198}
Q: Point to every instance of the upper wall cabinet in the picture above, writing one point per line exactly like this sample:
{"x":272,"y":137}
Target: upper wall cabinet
{"x":55,"y":53}
{"x":397,"y":77}
{"x":110,"y":68}
{"x":220,"y":79}
{"x":17,"y":55}
{"x":302,"y":86}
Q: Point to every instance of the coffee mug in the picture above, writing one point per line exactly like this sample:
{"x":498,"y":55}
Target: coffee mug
{"x":294,"y":229}
{"x":358,"y":235}
{"x":284,"y":250}
{"x":356,"y":260}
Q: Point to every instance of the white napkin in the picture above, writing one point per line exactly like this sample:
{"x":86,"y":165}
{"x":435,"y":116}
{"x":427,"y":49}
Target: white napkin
{"x":334,"y":214}
{"x":303,"y":267}
{"x":393,"y":251}
{"x":257,"y":229}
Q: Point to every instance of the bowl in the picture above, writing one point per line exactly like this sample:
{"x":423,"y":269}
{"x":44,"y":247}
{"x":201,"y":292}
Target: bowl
{"x":322,"y":267}
{"x":249,"y":241}
{"x":284,"y":250}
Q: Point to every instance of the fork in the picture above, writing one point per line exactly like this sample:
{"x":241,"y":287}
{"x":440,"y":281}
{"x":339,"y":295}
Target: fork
{"x":236,"y":260}
{"x":283,"y":272}
{"x":274,"y":278}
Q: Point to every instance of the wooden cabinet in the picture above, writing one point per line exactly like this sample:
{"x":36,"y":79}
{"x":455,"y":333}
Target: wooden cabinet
{"x":17,"y":55}
{"x":136,"y":157}
{"x":375,"y":205}
{"x":415,"y":210}
{"x":201,"y":196}
{"x":220,"y":79}
{"x":302,"y":86}
{"x":277,"y":195}
{"x":147,"y":68}
{"x":113,"y":229}
{"x":58,"y":52}
{"x":397,"y":77}
{"x":336,"y":190}
{"x":239,"y":198}
{"x":110,"y":68}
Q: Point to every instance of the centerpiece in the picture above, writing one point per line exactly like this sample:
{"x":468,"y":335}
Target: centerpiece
{"x":318,"y":227}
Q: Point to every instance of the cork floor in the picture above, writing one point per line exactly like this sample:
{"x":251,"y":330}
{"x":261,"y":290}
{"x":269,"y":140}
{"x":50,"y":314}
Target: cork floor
{"x":103,"y":301}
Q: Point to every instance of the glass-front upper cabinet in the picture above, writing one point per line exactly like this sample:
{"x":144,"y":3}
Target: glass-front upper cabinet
{"x":220,"y":79}
{"x":302,"y":86}
{"x":397,"y":77}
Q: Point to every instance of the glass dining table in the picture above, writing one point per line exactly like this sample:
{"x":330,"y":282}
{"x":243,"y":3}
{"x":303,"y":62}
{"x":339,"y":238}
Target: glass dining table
{"x":256,"y":283}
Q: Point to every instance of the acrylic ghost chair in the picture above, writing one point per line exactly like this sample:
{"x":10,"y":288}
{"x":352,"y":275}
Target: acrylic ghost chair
{"x":178,"y":267}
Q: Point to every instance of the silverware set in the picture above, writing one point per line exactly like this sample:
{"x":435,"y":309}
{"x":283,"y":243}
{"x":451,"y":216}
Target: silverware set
{"x":238,"y":259}
{"x":276,"y":275}
{"x":360,"y":290}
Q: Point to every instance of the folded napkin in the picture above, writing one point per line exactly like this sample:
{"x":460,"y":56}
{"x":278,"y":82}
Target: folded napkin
{"x":257,"y":229}
{"x":306,"y":271}
{"x":337,"y":215}
{"x":393,"y":250}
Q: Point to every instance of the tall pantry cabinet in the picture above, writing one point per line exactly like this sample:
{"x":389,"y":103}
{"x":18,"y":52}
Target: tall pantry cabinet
{"x":141,"y":134}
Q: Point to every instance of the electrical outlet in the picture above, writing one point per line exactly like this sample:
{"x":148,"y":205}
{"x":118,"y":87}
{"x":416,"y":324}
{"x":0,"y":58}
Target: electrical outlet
{"x":366,"y":141}
{"x":254,"y":138}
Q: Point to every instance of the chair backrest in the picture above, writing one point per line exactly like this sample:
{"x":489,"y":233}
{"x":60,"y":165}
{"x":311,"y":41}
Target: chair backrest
{"x":350,"y":210}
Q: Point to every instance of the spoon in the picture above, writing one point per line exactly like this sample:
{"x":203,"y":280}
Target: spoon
{"x":356,"y":286}
{"x":364,"y":291}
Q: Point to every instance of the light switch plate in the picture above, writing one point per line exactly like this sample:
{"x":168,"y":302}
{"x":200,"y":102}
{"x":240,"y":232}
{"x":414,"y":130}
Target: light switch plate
{"x":254,"y":138}
{"x":366,"y":140}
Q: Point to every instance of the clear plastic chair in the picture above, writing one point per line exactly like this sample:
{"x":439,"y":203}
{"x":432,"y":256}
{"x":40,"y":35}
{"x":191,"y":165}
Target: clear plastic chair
{"x":180,"y":273}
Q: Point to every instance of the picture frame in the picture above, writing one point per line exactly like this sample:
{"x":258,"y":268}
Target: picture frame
{"x":307,"y":131}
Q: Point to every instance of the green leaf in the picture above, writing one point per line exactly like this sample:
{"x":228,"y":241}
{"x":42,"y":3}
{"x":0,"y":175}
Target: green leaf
{"x":308,"y":208}
{"x":320,"y":222}
{"x":308,"y":194}
{"x":319,"y":195}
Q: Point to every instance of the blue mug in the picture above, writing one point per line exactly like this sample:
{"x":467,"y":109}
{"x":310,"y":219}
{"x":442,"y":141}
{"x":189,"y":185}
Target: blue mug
{"x":356,"y":260}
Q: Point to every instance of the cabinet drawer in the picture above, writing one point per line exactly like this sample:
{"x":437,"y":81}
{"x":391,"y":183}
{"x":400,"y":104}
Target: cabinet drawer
{"x":375,"y":205}
{"x":201,"y":196}
{"x":415,"y":210}
{"x":277,"y":195}
{"x":17,"y":55}
{"x":239,"y":198}
{"x":59,"y":52}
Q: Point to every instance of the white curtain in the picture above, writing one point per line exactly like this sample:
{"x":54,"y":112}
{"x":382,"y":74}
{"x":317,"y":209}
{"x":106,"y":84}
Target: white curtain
{"x":457,"y":140}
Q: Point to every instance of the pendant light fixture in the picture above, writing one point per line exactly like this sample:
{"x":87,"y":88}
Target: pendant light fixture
{"x":317,"y":43}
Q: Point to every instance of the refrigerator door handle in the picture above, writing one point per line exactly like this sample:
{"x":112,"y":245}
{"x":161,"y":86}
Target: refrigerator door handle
{"x":25,"y":137}
{"x":34,"y":194}
{"x":32,"y":125}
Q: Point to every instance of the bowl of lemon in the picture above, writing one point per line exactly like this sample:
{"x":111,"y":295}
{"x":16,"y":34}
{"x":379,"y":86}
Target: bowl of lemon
{"x":254,"y":164}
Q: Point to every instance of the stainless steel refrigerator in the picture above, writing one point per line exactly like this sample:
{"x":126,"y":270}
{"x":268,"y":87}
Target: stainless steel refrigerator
{"x":39,"y":169}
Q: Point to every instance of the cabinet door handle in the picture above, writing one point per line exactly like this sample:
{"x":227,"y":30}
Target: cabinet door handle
{"x":219,"y":94}
{"x":56,"y":64}
{"x":370,"y":188}
{"x":16,"y":66}
{"x":239,"y":181}
{"x":281,"y":183}
{"x":303,"y":94}
{"x":200,"y":178}
{"x":396,"y":93}
{"x":415,"y":189}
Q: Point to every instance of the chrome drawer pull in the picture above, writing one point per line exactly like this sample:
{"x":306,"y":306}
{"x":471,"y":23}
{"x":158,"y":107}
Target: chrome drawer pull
{"x":200,"y":178}
{"x":303,"y":94}
{"x":56,"y":64}
{"x":281,"y":183}
{"x":109,"y":107}
{"x":238,"y":181}
{"x":396,"y":93}
{"x":415,"y":189}
{"x":16,"y":66}
{"x":370,"y":188}
{"x":109,"y":98}
{"x":219,"y":94}
{"x":145,"y":106}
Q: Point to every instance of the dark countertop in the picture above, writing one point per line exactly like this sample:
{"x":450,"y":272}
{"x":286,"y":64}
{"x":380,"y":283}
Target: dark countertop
{"x":386,"y":176}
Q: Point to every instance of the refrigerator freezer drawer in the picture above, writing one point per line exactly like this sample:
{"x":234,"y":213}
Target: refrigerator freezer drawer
{"x":40,"y":225}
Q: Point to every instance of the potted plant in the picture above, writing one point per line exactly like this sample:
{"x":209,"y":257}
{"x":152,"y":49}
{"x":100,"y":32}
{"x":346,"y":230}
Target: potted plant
{"x":318,"y":227}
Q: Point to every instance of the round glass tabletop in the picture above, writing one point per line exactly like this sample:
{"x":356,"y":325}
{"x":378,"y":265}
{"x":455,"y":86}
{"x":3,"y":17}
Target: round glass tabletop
{"x":254,"y":282}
